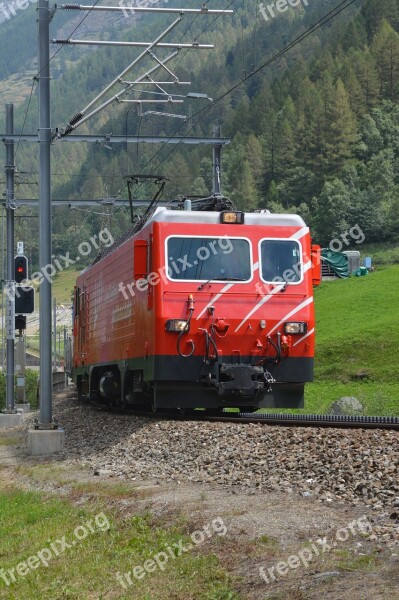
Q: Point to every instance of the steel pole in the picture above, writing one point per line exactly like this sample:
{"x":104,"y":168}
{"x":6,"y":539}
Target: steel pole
{"x":2,"y":322}
{"x":55,"y":334}
{"x":10,"y":318}
{"x":3,"y":278}
{"x":43,"y":20}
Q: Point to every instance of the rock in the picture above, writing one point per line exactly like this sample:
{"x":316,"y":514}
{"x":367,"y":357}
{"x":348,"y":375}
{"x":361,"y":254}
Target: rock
{"x":104,"y":473}
{"x":331,"y":466}
{"x":347,"y":406}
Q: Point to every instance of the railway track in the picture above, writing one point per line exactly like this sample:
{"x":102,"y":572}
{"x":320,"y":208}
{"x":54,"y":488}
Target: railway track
{"x":287,"y":420}
{"x":346,"y":422}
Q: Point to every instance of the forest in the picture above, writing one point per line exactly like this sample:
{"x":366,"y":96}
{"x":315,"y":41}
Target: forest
{"x":315,"y":132}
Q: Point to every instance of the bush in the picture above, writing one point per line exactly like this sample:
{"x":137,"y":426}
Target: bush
{"x":386,"y":257}
{"x":31,"y":387}
{"x":381,"y":254}
{"x":31,"y":378}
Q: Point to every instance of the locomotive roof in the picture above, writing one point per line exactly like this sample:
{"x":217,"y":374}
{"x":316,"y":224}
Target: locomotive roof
{"x":163,"y":215}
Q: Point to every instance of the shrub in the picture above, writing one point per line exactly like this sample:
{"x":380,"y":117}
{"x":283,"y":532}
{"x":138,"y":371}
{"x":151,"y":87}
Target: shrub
{"x":31,"y":378}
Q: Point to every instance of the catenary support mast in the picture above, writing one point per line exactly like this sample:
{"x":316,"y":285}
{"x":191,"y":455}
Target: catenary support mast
{"x":10,"y":298}
{"x":44,"y":212}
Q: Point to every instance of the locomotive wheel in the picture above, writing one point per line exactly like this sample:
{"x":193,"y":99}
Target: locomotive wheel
{"x":247,"y":409}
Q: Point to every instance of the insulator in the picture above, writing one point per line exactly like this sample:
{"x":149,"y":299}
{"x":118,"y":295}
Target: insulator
{"x":76,"y":118}
{"x":68,"y":129}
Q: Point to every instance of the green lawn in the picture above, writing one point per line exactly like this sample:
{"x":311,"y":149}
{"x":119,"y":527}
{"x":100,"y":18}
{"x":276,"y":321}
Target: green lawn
{"x":34,"y":527}
{"x":357,"y":343}
{"x":62,"y":290}
{"x":63,"y":285}
{"x":377,"y":398}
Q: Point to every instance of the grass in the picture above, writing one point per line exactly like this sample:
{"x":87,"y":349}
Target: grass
{"x":62,"y":289}
{"x":381,"y":254}
{"x":54,"y":472}
{"x":356,"y":328}
{"x":377,"y":399}
{"x":32,"y":522}
{"x":357,"y":341}
{"x":63,"y":285}
{"x":10,"y":441}
{"x":357,"y":337}
{"x":33,"y":343}
{"x":347,"y":562}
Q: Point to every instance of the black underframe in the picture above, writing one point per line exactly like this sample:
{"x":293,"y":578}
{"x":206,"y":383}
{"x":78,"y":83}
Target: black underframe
{"x":179,"y":382}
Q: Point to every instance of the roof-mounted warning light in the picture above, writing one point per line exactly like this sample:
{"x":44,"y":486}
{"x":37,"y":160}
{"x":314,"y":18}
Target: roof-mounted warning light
{"x":232,"y":217}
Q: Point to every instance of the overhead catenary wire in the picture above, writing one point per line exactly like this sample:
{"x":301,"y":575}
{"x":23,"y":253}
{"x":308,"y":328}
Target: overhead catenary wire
{"x":205,"y":29}
{"x":74,"y":30}
{"x":197,"y":37}
{"x":25,"y":117}
{"x":35,"y":78}
{"x":317,"y":25}
{"x":184,"y":54}
{"x":321,"y":22}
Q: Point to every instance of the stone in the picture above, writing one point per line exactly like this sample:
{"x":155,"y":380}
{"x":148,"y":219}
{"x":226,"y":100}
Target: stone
{"x":326,"y":574}
{"x":347,"y":406}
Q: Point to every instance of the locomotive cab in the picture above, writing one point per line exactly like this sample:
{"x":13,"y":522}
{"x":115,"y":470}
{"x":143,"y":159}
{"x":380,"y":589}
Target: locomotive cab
{"x":200,"y":310}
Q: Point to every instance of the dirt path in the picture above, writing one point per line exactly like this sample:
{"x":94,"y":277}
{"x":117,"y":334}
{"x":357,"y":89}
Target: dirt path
{"x":277,"y":546}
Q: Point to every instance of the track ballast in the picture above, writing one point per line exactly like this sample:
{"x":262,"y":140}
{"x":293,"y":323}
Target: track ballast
{"x":287,"y":420}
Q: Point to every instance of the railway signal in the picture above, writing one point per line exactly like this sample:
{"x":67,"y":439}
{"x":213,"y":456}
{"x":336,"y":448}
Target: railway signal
{"x":24,"y":300}
{"x":20,"y":268}
{"x":20,"y":322}
{"x":24,"y":295}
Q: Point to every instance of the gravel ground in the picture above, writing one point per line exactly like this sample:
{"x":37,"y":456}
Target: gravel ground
{"x":355,"y":467}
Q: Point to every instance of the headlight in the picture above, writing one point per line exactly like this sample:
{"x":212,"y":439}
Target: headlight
{"x":293,"y":328}
{"x":176,"y":325}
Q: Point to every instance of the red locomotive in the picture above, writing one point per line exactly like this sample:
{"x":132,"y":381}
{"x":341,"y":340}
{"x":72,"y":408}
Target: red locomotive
{"x":207,"y":309}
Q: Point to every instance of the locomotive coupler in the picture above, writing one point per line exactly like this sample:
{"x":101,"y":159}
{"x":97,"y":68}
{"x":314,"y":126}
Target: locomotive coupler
{"x":240,"y":380}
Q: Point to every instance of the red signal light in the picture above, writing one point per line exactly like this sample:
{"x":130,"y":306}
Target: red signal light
{"x":21,"y":268}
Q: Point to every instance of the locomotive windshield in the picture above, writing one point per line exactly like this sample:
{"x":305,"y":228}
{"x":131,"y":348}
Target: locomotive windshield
{"x":208,"y":258}
{"x":281,"y":261}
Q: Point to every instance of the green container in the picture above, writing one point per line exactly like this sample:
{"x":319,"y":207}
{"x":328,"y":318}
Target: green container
{"x":361,"y":271}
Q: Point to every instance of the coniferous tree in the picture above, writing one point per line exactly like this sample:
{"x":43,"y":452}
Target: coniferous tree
{"x":341,"y":129}
{"x":385,"y":48}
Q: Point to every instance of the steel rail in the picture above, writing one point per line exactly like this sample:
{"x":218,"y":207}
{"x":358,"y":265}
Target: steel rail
{"x":284,"y":420}
{"x":332,"y":421}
